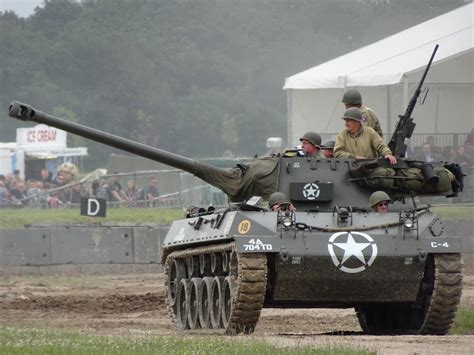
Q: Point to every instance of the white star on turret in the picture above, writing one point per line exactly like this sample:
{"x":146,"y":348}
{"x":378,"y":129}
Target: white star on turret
{"x":351,"y":248}
{"x":311,"y":191}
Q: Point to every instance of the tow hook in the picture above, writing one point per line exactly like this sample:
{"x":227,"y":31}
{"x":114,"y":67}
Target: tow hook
{"x":284,"y":256}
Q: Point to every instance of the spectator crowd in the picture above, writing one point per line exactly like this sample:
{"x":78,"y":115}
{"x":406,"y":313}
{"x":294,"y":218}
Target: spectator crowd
{"x":462,"y":155}
{"x":49,"y":192}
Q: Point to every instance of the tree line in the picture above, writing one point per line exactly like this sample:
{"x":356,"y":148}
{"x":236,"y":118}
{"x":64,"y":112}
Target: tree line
{"x":197,"y":78}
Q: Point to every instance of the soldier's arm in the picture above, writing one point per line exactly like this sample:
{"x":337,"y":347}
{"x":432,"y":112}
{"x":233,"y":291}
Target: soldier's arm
{"x":339,"y":147}
{"x":382,"y":148}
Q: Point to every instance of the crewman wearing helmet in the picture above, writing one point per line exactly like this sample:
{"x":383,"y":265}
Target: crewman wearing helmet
{"x":353,"y":98}
{"x":311,"y":144}
{"x":360,"y":142}
{"x":327,"y":149}
{"x":278,"y":202}
{"x":378,"y":201}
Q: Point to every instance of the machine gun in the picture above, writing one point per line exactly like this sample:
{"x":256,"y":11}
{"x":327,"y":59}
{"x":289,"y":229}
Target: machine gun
{"x":405,"y":125}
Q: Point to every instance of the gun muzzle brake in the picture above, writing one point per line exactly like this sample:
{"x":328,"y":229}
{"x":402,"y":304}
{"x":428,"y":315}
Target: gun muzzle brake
{"x":20,"y":111}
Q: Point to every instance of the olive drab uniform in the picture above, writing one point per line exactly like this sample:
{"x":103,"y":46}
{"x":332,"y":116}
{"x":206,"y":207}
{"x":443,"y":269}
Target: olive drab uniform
{"x":366,"y":142}
{"x":371,"y":119}
{"x":353,"y":98}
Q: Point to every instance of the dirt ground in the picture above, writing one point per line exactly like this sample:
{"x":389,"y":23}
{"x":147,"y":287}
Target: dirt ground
{"x":134,"y":304}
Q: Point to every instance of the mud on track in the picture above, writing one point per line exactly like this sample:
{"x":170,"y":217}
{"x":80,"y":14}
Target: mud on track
{"x":134,"y":304}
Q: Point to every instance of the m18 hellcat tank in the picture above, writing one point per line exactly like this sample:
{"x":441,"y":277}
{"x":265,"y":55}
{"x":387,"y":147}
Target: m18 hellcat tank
{"x":399,"y":270}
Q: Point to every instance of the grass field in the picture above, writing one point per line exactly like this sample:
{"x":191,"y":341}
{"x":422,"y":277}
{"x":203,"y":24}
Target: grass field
{"x":464,"y":321}
{"x":18,"y":218}
{"x":40,"y":341}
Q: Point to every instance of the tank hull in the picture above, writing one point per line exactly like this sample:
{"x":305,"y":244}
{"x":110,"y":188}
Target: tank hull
{"x":373,"y":261}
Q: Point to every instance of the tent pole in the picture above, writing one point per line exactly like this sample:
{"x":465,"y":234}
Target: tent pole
{"x":289,"y":109}
{"x":437,"y":112}
{"x":389,"y":113}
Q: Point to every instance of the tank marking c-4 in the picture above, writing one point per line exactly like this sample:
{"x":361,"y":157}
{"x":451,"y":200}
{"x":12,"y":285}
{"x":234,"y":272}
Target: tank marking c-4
{"x":442,"y":245}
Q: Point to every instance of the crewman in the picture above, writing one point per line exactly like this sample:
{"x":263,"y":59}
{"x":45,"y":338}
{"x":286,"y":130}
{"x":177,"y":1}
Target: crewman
{"x":311,"y":144}
{"x":378,"y":201}
{"x":353,"y":98}
{"x":278,"y":202}
{"x":327,"y":149}
{"x":360,"y":142}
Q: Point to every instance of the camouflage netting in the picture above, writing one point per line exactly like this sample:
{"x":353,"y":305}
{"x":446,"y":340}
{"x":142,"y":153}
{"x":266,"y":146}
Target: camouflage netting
{"x":408,"y":180}
{"x":255,"y":178}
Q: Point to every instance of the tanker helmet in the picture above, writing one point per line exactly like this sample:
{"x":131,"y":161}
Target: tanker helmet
{"x":353,"y":113}
{"x":276,"y":198}
{"x":377,"y":197}
{"x":352,"y":96}
{"x":312,"y":137}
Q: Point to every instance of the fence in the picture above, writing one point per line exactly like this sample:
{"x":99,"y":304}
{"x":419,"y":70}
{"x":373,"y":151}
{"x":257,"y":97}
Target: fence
{"x":442,"y":140}
{"x":177,"y":189}
{"x":174,"y":189}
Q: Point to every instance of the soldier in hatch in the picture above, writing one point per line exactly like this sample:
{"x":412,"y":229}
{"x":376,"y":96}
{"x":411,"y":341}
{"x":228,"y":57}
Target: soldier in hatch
{"x":360,"y":142}
{"x":353,"y":98}
{"x":378,"y":201}
{"x":327,"y":149}
{"x":311,"y":144}
{"x":278,"y":202}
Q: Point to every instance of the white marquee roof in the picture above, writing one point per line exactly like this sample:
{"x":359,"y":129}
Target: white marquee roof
{"x":406,"y":53}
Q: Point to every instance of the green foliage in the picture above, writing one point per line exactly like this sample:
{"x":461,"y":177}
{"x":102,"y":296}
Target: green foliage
{"x":455,"y":212}
{"x":464,"y":321}
{"x":193,"y":77}
{"x":38,"y":341}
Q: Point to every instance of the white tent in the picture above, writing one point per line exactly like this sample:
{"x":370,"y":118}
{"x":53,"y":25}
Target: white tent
{"x":387,"y":73}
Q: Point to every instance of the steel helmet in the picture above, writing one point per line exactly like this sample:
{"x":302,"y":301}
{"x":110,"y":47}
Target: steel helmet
{"x":328,"y":145}
{"x":352,"y":96}
{"x":312,"y":137}
{"x":378,"y":196}
{"x":276,"y":198}
{"x":353,"y":113}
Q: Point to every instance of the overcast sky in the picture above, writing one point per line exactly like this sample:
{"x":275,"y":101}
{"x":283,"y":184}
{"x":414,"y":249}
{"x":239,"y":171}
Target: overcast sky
{"x":23,"y":8}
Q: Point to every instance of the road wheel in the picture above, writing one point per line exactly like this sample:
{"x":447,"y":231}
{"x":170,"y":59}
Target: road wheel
{"x":204,"y":297}
{"x":227,"y":300}
{"x":182,"y":305}
{"x":176,"y":272}
{"x":215,"y":307}
{"x":193,"y":302}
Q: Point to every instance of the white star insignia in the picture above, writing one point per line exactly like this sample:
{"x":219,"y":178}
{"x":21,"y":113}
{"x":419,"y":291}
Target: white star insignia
{"x":311,"y":191}
{"x":351,"y":248}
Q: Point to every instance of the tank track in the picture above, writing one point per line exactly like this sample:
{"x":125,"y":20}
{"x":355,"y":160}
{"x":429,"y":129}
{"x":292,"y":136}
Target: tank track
{"x":435,"y":309}
{"x":248,"y":277}
{"x":446,"y":295}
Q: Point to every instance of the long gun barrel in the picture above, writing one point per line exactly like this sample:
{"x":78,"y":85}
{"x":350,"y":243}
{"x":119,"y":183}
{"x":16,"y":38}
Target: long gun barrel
{"x":405,"y":125}
{"x":229,"y":181}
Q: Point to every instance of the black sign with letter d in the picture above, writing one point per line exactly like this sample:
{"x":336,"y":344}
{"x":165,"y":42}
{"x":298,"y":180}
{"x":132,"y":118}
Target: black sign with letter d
{"x":93,"y":207}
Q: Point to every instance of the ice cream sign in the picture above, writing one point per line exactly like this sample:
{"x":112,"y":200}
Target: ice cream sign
{"x":41,"y":136}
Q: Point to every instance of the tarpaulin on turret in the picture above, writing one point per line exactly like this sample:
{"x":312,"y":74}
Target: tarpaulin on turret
{"x":253,"y":178}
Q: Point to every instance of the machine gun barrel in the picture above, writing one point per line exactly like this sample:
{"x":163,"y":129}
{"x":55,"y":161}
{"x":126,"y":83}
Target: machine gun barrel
{"x":25,"y":112}
{"x":405,"y":125}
